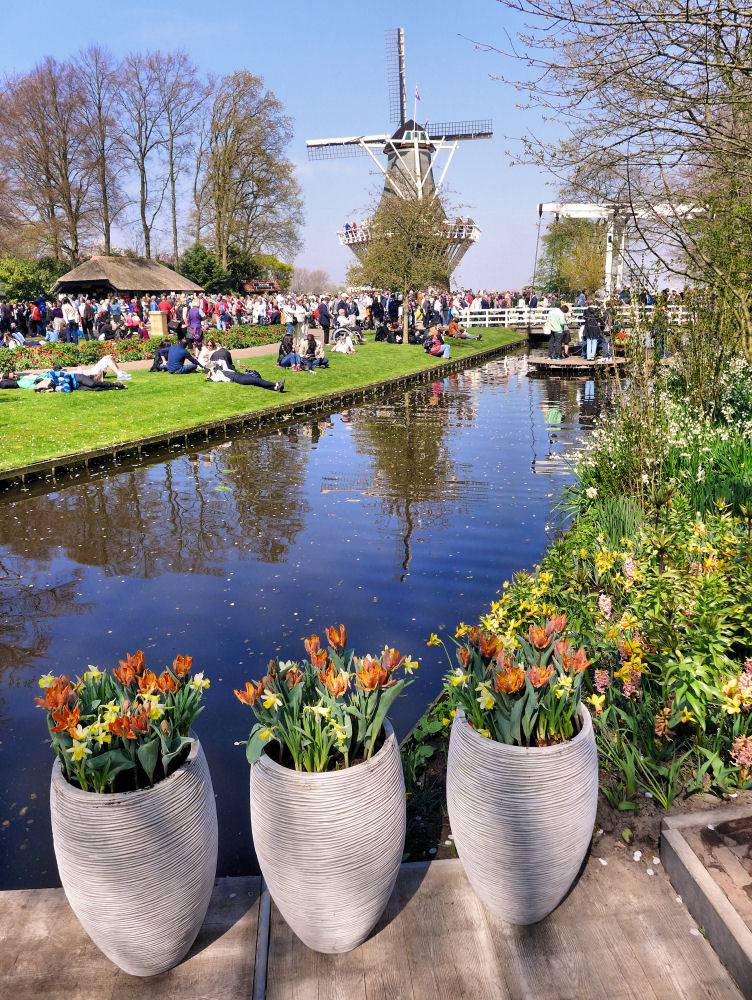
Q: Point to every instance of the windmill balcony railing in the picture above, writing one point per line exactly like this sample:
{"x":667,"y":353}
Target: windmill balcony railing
{"x":521,"y":316}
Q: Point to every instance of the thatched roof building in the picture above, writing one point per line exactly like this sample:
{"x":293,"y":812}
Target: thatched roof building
{"x":125,"y":275}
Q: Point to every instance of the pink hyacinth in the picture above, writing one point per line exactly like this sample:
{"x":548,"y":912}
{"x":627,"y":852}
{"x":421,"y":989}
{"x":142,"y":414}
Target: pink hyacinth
{"x":602,"y":680}
{"x":632,"y":686}
{"x":745,"y":688}
{"x":629,"y":567}
{"x":748,"y":665}
{"x":741,"y":752}
{"x":604,"y":605}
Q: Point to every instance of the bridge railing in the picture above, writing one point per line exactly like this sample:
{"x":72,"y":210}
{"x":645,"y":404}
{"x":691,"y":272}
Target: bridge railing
{"x":521,"y":316}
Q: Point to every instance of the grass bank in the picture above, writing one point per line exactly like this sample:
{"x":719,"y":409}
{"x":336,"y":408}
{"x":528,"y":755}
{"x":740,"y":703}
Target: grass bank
{"x":36,"y":427}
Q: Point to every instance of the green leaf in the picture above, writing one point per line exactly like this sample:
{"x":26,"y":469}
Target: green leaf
{"x":148,"y":755}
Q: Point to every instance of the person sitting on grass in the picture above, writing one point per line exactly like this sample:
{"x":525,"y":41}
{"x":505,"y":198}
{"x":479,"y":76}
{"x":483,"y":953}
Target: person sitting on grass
{"x":219,"y":372}
{"x":179,"y":361}
{"x":435,"y":344}
{"x":312,"y":352}
{"x":288,"y":357}
{"x":159,"y":364}
{"x":454,"y":331}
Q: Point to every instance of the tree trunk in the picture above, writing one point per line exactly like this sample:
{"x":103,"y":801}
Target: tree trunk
{"x":173,"y":203}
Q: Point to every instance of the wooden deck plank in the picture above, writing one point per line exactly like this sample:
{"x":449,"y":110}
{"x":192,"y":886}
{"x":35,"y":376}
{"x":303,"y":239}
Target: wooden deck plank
{"x":44,"y":951}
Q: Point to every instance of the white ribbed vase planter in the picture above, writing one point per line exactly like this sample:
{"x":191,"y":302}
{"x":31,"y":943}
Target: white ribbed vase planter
{"x":522,"y":817}
{"x":330,"y":845}
{"x":138,"y":867}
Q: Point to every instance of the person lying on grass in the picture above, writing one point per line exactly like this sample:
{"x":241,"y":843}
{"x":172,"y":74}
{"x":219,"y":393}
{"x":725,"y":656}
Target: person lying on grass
{"x":220,"y":372}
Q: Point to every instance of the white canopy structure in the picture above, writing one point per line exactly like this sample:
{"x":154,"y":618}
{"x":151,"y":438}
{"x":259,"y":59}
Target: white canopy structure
{"x":617,"y":216}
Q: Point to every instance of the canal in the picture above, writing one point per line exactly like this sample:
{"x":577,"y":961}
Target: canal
{"x":398,"y":518}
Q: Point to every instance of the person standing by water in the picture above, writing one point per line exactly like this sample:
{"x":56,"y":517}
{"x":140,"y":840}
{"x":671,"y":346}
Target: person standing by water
{"x":557,"y":323}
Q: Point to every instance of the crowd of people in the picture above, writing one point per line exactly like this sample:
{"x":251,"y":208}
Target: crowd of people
{"x":312,"y":323}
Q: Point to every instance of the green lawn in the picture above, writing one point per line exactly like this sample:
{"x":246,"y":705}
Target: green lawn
{"x":39,"y":426}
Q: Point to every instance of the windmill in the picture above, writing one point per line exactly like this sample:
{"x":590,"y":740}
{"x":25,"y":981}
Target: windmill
{"x":411,"y":154}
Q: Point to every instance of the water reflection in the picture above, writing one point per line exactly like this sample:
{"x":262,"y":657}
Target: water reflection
{"x":400,"y":518}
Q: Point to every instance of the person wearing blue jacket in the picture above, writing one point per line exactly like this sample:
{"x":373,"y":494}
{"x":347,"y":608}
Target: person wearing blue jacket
{"x":179,"y":361}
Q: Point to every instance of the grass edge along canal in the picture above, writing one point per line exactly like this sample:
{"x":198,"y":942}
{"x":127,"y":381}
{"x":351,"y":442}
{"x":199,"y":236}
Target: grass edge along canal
{"x":62,"y":429}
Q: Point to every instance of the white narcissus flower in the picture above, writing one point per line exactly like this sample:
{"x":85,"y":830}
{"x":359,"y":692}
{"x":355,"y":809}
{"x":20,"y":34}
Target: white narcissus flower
{"x":591,"y":492}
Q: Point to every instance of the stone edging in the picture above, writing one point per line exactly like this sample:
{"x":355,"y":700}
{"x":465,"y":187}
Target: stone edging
{"x":278,"y":416}
{"x":705,"y":900}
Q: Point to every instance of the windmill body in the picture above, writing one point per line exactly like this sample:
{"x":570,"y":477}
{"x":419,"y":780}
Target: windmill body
{"x":411,"y":153}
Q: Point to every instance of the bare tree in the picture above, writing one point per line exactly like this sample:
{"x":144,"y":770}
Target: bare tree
{"x":183,"y":94}
{"x":142,"y":139}
{"x":99,"y":75}
{"x":308,"y":282}
{"x":43,"y":134}
{"x":250,"y":185}
{"x":654,"y":103}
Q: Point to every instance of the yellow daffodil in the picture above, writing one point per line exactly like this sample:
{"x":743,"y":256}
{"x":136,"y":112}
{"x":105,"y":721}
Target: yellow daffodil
{"x":199,"y":681}
{"x":434,"y":640}
{"x":452,"y":714}
{"x":265,"y":734}
{"x":271,"y":700}
{"x":732,"y":706}
{"x":624,"y":673}
{"x":458,"y":678}
{"x":687,"y":716}
{"x":47,"y":680}
{"x":597,"y":700}
{"x":583,"y":553}
{"x":484,"y":733}
{"x":102,"y":736}
{"x":446,"y":722}
{"x":564,"y":686}
{"x":410,"y":666}
{"x":485,"y":699}
{"x":323,"y":710}
{"x":78,"y":751}
{"x":110,"y":712}
{"x":80,"y":733}
{"x":340,"y":732}
{"x":93,"y":673}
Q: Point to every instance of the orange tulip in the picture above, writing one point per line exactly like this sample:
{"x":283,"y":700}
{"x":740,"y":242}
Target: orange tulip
{"x":555,"y":624}
{"x":320,"y":660}
{"x":59,"y":694}
{"x":391,"y":659}
{"x":292,"y":677}
{"x":509,"y":681}
{"x":65,"y":719}
{"x":130,"y":668}
{"x":464,"y":656}
{"x":488,"y":645}
{"x":336,"y":637}
{"x":538,"y":637}
{"x":562,"y":647}
{"x":312,"y":646}
{"x":147,"y":682}
{"x":181,"y":665}
{"x":371,"y":675}
{"x":167,"y":683}
{"x":540,"y":676}
{"x":335,"y":681}
{"x":251,"y":694}
{"x":577,"y":663}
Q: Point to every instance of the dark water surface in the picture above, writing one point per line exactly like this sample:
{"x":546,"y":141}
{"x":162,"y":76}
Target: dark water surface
{"x":399,"y":518}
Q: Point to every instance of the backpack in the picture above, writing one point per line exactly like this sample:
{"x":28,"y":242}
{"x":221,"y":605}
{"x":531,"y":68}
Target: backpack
{"x":316,"y":313}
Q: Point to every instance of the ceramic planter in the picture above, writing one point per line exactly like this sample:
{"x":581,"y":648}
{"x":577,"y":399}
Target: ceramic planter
{"x":522,"y":818}
{"x":330,"y":845}
{"x":138,"y":867}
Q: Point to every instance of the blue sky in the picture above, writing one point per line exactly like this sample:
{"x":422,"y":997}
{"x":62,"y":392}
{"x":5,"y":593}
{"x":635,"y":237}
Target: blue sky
{"x":325,"y":61}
